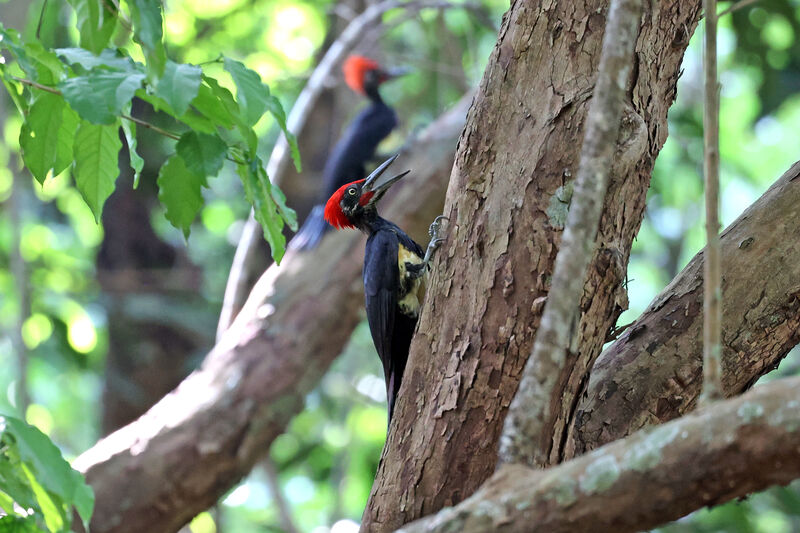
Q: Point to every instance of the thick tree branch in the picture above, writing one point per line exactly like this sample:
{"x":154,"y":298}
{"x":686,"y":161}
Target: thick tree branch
{"x":176,"y":460}
{"x":527,"y":433}
{"x":653,"y":373}
{"x":723,"y":452}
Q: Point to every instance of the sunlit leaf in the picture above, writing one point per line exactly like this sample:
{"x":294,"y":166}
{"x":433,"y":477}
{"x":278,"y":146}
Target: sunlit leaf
{"x":257,"y":189}
{"x":96,"y":22}
{"x":96,"y":149}
{"x":146,"y":16}
{"x":86,"y":60}
{"x":251,"y":92}
{"x":178,"y":85}
{"x":179,"y":192}
{"x":100,"y":95}
{"x":41,"y":135}
{"x":137,"y":163}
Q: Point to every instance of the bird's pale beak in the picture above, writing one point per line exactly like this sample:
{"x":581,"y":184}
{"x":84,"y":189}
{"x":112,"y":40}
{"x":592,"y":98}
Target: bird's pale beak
{"x":377,"y":184}
{"x":396,"y":72}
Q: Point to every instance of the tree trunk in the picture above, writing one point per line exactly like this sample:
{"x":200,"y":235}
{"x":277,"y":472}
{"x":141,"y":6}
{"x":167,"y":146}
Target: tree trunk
{"x":507,"y":200}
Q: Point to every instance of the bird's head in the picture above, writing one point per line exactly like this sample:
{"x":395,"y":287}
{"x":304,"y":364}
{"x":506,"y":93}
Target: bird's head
{"x":365,"y":75}
{"x":356,"y":201}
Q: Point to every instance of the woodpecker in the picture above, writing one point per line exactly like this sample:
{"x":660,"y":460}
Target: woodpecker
{"x":357,"y":145}
{"x":395,"y":268}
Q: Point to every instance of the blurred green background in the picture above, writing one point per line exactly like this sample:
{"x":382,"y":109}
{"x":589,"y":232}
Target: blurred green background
{"x":112,"y":315}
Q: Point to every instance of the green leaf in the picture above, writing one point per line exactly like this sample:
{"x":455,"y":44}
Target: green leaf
{"x":251,"y":93}
{"x":179,"y":192}
{"x":287,"y":213}
{"x":38,"y":451}
{"x":108,"y":59}
{"x":100,"y":95}
{"x":246,"y":133}
{"x":96,"y":149}
{"x":276,"y":110}
{"x":96,"y":22}
{"x":49,"y":69}
{"x":55,"y":515}
{"x":47,"y":135}
{"x":39,"y":136}
{"x":14,"y":483}
{"x":83,"y":498}
{"x":147,"y":21}
{"x":178,"y":85}
{"x":257,"y":189}
{"x":137,"y":163}
{"x":202,"y":154}
{"x":194,"y":120}
{"x":216,"y":103}
{"x":10,"y":40}
{"x":18,"y":524}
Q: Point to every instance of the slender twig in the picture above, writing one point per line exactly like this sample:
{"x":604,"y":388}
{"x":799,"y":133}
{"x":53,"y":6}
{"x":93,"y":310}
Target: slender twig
{"x":736,"y":7}
{"x":284,"y":509}
{"x":712,"y":293}
{"x":245,"y":258}
{"x":527,"y":433}
{"x":19,"y":270}
{"x":41,"y":20}
{"x":153,"y":127}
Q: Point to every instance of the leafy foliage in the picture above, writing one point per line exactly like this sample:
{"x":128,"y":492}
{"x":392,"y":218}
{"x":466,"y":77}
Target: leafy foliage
{"x":38,"y":488}
{"x":75,"y":100}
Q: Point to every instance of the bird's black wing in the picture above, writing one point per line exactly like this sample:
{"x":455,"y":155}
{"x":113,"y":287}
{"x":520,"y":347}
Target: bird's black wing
{"x":381,"y":281}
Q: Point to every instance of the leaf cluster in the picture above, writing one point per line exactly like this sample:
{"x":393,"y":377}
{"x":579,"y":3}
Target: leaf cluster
{"x":38,"y":488}
{"x":76,"y":101}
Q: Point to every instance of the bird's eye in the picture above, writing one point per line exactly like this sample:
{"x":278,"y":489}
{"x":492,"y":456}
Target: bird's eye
{"x":351,"y":191}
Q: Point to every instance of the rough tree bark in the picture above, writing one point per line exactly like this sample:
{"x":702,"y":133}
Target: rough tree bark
{"x":178,"y":458}
{"x":506,"y":200}
{"x":712,"y":456}
{"x":653,"y":373}
{"x":528,"y":428}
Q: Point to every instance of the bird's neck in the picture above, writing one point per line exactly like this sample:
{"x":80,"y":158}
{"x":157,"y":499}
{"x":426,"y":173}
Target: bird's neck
{"x":371,"y":90}
{"x":370,"y":221}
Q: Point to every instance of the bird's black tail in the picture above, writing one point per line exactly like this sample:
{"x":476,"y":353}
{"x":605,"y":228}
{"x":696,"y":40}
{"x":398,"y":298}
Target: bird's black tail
{"x":309,"y":235}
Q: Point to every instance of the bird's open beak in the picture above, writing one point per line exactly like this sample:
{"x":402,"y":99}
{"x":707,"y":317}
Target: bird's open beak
{"x":395,"y":72}
{"x":377,"y":184}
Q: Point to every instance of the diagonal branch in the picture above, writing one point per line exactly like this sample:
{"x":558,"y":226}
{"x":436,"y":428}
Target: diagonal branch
{"x":653,"y":373}
{"x":176,"y":460}
{"x":527,"y":432}
{"x":726,"y":451}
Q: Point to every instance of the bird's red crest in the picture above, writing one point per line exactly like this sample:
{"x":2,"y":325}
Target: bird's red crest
{"x":333,"y":209}
{"x":354,"y":69}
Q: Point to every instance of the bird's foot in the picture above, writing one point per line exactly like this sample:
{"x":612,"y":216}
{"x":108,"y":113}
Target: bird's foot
{"x":435,"y":231}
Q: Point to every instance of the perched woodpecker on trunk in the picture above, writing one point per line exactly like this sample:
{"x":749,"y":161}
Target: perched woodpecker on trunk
{"x":394,"y":270}
{"x":357,"y":145}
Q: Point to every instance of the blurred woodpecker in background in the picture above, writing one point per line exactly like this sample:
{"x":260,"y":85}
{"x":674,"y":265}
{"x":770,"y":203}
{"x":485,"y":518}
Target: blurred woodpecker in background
{"x":357,"y":146}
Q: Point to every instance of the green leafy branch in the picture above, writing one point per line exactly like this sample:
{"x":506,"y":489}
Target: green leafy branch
{"x":75,"y":100}
{"x":38,"y":488}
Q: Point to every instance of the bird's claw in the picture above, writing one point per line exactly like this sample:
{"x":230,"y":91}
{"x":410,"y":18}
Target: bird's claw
{"x":436,"y":226}
{"x":436,"y":240}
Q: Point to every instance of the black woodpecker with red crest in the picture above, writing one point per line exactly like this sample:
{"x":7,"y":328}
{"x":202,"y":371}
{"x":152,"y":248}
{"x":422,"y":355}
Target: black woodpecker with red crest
{"x":395,"y":270}
{"x":357,"y":145}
